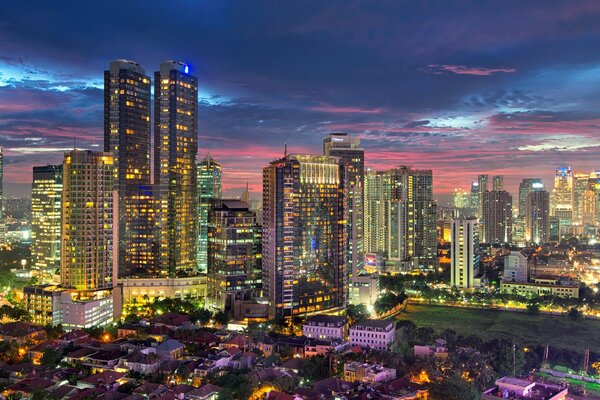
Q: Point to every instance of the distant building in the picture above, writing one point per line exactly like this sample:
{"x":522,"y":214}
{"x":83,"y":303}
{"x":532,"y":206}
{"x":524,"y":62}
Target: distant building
{"x":561,"y":204}
{"x":464,"y":252}
{"x":527,"y":186}
{"x":537,"y":217}
{"x":497,"y":217}
{"x":498,"y":183}
{"x":46,"y":205}
{"x":44,"y":304}
{"x":482,"y":187}
{"x":368,"y":373}
{"x":373,"y":333}
{"x":375,"y":217}
{"x":326,"y":327}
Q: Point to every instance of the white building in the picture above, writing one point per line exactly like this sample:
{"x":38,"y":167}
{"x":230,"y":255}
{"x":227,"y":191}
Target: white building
{"x":515,"y":267}
{"x":86,"y":309}
{"x":370,"y":373}
{"x":373,"y":333}
{"x":326,"y":327}
{"x":464,"y":252}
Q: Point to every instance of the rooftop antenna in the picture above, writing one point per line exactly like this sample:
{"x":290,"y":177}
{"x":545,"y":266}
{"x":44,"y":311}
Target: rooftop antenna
{"x":285,"y":150}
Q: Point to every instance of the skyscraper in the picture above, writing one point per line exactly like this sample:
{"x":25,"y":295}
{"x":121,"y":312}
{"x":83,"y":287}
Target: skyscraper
{"x":209,"y":190}
{"x":234,"y":252}
{"x":527,"y":186}
{"x":175,"y":148}
{"x":474,"y":197}
{"x":497,"y":217}
{"x":375,"y":229}
{"x":464,"y":252}
{"x":460,"y":199}
{"x":87,"y":234}
{"x":411,"y":218}
{"x":2,"y":214}
{"x":46,"y":208}
{"x":352,"y":162}
{"x":304,"y":242}
{"x":561,"y":205}
{"x":482,"y":181}
{"x":537,"y":216}
{"x":127,"y":137}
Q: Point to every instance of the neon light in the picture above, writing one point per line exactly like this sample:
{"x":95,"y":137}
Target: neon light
{"x":186,"y":69}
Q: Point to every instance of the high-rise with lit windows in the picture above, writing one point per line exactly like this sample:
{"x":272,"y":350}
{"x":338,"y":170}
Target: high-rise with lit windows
{"x":127,"y":136}
{"x":304,"y":241}
{"x":537,"y":216}
{"x":46,"y":208}
{"x":464,"y":252}
{"x":561,"y":202}
{"x":352,"y":169}
{"x":375,"y":229}
{"x":175,"y":148}
{"x":496,"y":219}
{"x":2,"y":214}
{"x":234,"y":254}
{"x":209,"y":191}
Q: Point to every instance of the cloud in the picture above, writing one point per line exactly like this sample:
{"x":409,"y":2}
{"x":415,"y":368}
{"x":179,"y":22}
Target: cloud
{"x":465,"y":70}
{"x":346,"y":110}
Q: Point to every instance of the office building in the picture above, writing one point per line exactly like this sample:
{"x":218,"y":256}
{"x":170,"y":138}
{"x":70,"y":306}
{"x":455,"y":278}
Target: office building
{"x":352,"y":169}
{"x":460,"y":199}
{"x":175,"y":176}
{"x":561,"y":204}
{"x":527,"y":186}
{"x":209,"y":191}
{"x":234,"y":254}
{"x":537,"y":217}
{"x":497,"y":217}
{"x":464,"y":253}
{"x":88,"y":238}
{"x":44,"y":304}
{"x":46,"y":208}
{"x":141,"y":255}
{"x":375,"y":229}
{"x":304,"y":242}
{"x":474,"y":198}
{"x":516,"y":267}
{"x":482,"y":186}
{"x":411,"y":218}
{"x":2,"y":213}
{"x":127,"y":137}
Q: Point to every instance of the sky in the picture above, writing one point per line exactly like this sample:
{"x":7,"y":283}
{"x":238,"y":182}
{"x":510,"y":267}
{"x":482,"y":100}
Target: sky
{"x":460,"y":87}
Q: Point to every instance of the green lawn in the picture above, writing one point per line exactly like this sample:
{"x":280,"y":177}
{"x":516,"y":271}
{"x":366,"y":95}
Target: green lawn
{"x":559,"y":331}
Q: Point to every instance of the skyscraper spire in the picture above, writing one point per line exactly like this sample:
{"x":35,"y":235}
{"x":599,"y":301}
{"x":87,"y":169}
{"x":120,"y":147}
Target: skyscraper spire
{"x":246,"y":195}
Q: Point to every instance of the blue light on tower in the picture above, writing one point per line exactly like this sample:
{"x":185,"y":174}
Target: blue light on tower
{"x":186,"y":69}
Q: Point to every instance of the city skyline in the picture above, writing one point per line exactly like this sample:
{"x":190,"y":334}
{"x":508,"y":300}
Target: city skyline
{"x":462,"y":105}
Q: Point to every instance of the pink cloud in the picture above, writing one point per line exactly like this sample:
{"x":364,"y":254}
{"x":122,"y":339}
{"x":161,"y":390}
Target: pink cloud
{"x":347,"y":110}
{"x":465,"y":70}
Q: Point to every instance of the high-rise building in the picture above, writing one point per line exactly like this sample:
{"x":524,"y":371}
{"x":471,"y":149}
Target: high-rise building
{"x":46,"y":208}
{"x":498,"y":183}
{"x":175,"y":148}
{"x":561,"y":205}
{"x":127,"y":137}
{"x":482,"y":185}
{"x":87,"y":232}
{"x":304,"y":241}
{"x":2,"y":214}
{"x":585,"y":199}
{"x":209,"y":191}
{"x":474,"y":198}
{"x":141,"y":256}
{"x":537,"y":217}
{"x":464,"y":253}
{"x":497,"y":217}
{"x":527,"y":186}
{"x":411,"y":218}
{"x":235,"y":254}
{"x":352,"y":164}
{"x":375,"y":229}
{"x":88,"y":239}
{"x":460,"y":199}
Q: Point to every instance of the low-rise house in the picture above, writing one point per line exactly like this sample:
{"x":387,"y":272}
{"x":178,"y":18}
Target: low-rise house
{"x":318,"y":347}
{"x":372,"y":333}
{"x":150,"y":390}
{"x":172,"y":320}
{"x":106,"y":379}
{"x":295,"y":343}
{"x":238,"y":341}
{"x":517,"y":388}
{"x":438,"y":350}
{"x":369,"y":373}
{"x":103,"y":359}
{"x":21,"y":332}
{"x":206,"y":392}
{"x":28,"y":386}
{"x":335,"y":387}
{"x":36,"y":352}
{"x":73,"y":337}
{"x":18,"y":372}
{"x":403,"y":389}
{"x":326,"y":327}
{"x":140,"y":362}
{"x":170,"y":348}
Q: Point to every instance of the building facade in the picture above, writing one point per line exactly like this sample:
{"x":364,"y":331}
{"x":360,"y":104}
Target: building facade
{"x":175,"y":148}
{"x":497,"y":217}
{"x":234,"y":254}
{"x":372,"y":333}
{"x":561,"y":204}
{"x":537,"y":217}
{"x":209,"y":191}
{"x":46,"y":208}
{"x":375,"y":232}
{"x":304,"y":241}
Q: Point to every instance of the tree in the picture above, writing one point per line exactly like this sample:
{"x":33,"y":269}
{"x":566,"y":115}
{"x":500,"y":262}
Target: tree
{"x":315,"y":368}
{"x":201,"y":316}
{"x":508,"y":358}
{"x":50,"y":357}
{"x":221,"y":318}
{"x":453,"y":387}
{"x":356,"y":312}
{"x":285,"y":384}
{"x":574,"y":314}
